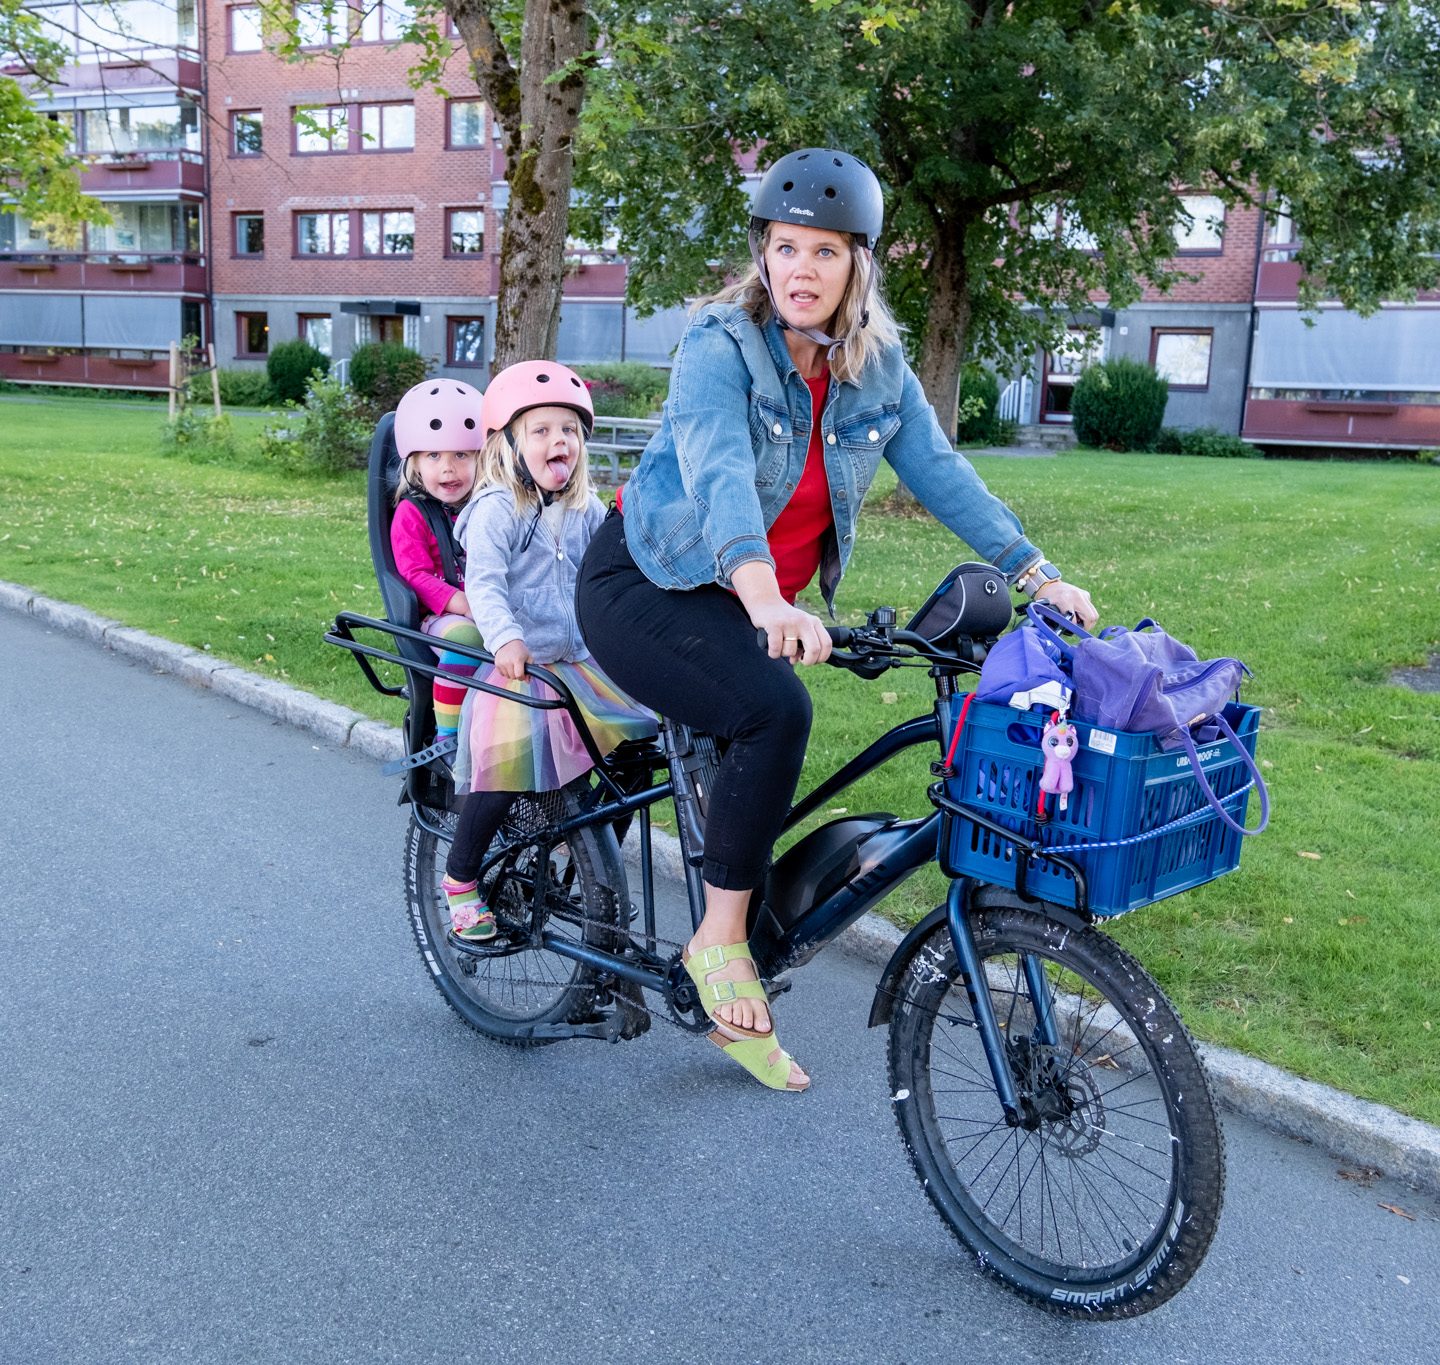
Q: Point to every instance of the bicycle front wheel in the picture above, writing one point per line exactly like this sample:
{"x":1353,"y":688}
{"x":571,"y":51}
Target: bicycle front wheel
{"x":1103,"y":1200}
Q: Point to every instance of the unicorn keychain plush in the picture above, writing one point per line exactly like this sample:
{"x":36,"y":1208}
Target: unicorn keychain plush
{"x":1058,"y":744}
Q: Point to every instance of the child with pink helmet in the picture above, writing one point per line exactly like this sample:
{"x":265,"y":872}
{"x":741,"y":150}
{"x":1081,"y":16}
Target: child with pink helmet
{"x":524,"y":531}
{"x":437,"y":435}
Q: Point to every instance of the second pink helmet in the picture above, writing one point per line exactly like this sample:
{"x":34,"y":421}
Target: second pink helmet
{"x":534,"y":384}
{"x":438,"y":414}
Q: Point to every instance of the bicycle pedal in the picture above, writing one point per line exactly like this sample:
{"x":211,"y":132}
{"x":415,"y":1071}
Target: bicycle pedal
{"x":502,"y":945}
{"x":778,"y":986}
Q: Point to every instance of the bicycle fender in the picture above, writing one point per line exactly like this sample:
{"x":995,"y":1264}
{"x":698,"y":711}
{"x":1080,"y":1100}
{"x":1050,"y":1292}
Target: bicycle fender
{"x":981,"y":897}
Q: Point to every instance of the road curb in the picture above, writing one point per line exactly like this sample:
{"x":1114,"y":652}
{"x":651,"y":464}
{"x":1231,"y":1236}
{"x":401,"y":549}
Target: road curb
{"x":1359,"y":1132}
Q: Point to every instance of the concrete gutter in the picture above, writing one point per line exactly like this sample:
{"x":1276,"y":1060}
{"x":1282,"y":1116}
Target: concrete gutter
{"x":1358,"y":1132}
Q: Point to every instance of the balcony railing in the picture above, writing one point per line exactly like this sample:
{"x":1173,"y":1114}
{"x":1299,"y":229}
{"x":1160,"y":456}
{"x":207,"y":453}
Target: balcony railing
{"x":159,"y":272}
{"x":176,"y":169}
{"x":139,"y":369}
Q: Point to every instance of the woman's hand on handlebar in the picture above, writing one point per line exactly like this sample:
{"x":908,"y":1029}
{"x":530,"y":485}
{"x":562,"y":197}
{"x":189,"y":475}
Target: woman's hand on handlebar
{"x":792,"y":633}
{"x":1074,"y":602}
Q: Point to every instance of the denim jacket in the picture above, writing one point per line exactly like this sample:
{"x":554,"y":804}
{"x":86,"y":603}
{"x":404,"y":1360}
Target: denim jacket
{"x":732,"y":446}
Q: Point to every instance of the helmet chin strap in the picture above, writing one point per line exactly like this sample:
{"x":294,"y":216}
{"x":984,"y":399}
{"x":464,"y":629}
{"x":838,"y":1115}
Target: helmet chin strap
{"x":831,"y":344}
{"x":527,"y":479}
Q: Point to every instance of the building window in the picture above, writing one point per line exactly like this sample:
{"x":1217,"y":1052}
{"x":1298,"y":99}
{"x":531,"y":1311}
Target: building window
{"x":467,"y":341}
{"x":387,"y":127}
{"x":322,"y":128}
{"x":252,"y":334}
{"x":155,"y":229}
{"x":1182,"y":357}
{"x":247,"y":132}
{"x":318,"y":330}
{"x":322,"y":234}
{"x":1204,"y":229}
{"x":321,"y":23}
{"x":126,"y":129}
{"x":384,"y":21}
{"x":245,"y":35}
{"x":249,"y":234}
{"x":387,"y":234}
{"x":466,"y":232}
{"x":1279,"y":226}
{"x":467,"y":123}
{"x":19,"y":234}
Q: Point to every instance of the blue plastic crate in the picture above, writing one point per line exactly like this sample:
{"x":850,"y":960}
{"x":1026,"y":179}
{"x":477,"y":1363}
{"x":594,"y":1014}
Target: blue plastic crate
{"x":1124,"y":785}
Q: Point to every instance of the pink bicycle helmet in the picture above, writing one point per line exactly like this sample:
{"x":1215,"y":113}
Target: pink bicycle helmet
{"x":534,"y":384}
{"x":439,"y":414}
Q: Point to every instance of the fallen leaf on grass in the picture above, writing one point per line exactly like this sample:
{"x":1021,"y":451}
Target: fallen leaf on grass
{"x":1365,"y":731}
{"x":1354,"y":919}
{"x":1288,"y":919}
{"x":1314,"y":856}
{"x":889,"y":698}
{"x":1398,"y":1211}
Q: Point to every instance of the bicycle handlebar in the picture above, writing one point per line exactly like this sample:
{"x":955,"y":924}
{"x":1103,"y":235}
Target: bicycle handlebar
{"x":869,"y":652}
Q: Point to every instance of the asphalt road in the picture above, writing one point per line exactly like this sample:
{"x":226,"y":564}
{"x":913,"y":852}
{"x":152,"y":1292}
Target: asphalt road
{"x":238,"y":1124}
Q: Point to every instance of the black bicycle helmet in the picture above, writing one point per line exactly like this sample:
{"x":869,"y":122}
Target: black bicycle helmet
{"x":821,"y":188}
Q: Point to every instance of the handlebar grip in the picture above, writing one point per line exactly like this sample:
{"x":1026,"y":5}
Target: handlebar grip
{"x":839,"y":637}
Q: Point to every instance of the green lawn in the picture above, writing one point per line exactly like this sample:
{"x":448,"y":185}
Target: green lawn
{"x":1323,"y":576}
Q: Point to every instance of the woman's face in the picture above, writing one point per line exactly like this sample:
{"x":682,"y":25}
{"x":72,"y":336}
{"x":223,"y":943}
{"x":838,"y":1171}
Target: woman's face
{"x":551,"y":446}
{"x":809,"y":269}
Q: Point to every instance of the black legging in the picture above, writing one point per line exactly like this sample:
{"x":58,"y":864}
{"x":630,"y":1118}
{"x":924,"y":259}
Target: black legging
{"x":692,"y":656}
{"x":480,"y":819}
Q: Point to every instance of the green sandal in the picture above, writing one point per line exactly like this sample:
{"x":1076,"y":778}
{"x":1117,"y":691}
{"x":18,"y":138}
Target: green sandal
{"x":763,"y":1058}
{"x":713,"y":994}
{"x":759,"y":1053}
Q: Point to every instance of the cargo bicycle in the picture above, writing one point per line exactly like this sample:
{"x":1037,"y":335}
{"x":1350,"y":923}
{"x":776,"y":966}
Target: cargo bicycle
{"x":1047,"y":1093}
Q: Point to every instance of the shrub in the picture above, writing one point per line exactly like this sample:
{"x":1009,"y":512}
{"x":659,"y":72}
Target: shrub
{"x":1119,"y":404}
{"x":381,"y":371}
{"x":201,"y":437}
{"x":289,"y":367}
{"x":1219,"y":445}
{"x":1167,"y":442}
{"x":979,"y":401}
{"x":238,"y":389}
{"x":625,"y":388}
{"x":327,"y":434}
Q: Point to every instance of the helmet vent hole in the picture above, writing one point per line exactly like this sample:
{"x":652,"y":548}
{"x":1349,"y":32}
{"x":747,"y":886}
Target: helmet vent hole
{"x":469,"y":424}
{"x":433,"y":392}
{"x":576,"y":382}
{"x":804,"y":156}
{"x":542,"y":378}
{"x":436,"y":424}
{"x":829,"y":191}
{"x":788,"y":186}
{"x":837,"y":161}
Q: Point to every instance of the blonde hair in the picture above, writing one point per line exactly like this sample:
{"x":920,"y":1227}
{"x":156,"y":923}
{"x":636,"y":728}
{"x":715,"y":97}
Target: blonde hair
{"x":864,"y":293}
{"x":411,"y":485}
{"x":498,"y":465}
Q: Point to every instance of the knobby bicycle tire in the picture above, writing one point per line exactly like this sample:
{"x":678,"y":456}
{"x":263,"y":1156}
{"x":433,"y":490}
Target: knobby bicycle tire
{"x":505,"y":997}
{"x":1105,"y":1203}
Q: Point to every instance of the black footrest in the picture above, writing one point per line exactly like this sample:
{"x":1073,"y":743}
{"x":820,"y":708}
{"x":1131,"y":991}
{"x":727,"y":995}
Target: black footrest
{"x":421,"y":757}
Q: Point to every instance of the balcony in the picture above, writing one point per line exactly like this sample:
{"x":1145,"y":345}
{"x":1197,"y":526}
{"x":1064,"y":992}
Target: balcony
{"x":142,"y":370}
{"x":1278,"y":279}
{"x":157,"y":171}
{"x":105,"y":272}
{"x":1390,"y":426}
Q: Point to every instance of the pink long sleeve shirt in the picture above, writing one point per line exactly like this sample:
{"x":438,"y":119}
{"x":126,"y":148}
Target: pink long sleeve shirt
{"x":417,"y":558}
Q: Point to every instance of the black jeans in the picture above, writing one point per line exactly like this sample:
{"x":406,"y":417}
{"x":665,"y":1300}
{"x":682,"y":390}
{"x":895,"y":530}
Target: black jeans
{"x":692,"y":656}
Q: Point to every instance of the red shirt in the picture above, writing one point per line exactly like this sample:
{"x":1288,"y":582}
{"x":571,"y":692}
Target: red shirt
{"x":798,"y":536}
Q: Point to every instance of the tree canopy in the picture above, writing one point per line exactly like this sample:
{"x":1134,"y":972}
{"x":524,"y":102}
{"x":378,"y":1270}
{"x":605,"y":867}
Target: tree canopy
{"x":1034,"y":152}
{"x":39,"y":173}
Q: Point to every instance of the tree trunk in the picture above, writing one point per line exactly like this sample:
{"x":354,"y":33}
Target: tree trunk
{"x":946,"y":328}
{"x":539,"y":121}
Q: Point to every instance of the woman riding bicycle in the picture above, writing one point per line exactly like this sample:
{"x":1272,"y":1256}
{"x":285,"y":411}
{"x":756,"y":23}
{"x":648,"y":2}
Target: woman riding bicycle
{"x":787,"y":389}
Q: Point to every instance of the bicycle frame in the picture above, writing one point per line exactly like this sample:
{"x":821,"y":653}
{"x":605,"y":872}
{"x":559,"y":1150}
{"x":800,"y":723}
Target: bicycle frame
{"x":893,"y":850}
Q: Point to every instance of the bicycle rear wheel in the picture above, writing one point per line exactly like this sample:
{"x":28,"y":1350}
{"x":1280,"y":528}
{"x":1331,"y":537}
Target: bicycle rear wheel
{"x":507,"y":996}
{"x":1104,"y":1200}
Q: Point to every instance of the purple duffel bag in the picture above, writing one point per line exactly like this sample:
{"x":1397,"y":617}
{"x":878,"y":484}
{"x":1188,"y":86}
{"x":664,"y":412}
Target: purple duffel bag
{"x":1145,"y":681}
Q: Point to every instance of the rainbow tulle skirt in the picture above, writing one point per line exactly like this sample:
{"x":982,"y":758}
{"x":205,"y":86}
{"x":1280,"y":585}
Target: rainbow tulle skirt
{"x":518,"y":748}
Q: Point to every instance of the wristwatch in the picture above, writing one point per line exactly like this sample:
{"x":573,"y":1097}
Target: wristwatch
{"x":1037,"y":577}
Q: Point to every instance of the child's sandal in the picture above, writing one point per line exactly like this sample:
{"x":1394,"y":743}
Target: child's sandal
{"x":470,"y":918}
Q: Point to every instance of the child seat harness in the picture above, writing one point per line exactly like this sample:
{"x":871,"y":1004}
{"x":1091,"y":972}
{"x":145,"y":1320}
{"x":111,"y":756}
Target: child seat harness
{"x":442,"y":527}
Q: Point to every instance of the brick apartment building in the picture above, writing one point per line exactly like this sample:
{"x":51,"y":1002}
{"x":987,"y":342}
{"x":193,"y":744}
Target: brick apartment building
{"x":256,"y":200}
